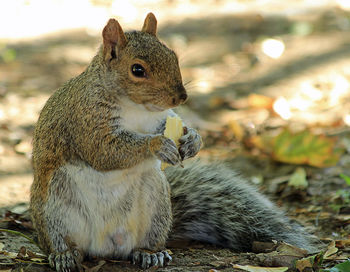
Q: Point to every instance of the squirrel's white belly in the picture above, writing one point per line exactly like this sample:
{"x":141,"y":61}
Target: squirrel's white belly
{"x":111,"y":213}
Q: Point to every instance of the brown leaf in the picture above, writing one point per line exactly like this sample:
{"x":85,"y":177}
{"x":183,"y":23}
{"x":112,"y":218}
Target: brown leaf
{"x":291,"y":250}
{"x":311,"y":263}
{"x":342,"y":243}
{"x":263,"y":247}
{"x":22,"y":252}
{"x":331,"y":249}
{"x":300,"y":265}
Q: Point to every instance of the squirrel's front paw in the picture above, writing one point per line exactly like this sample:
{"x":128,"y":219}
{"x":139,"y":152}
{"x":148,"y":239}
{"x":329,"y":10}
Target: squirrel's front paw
{"x":146,"y":260}
{"x":69,"y":260}
{"x":165,"y":150}
{"x":190,"y":143}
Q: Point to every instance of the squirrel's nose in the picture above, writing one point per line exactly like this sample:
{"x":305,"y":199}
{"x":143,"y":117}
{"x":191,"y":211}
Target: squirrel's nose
{"x":181,"y":92}
{"x":179,"y":99}
{"x":183,"y":97}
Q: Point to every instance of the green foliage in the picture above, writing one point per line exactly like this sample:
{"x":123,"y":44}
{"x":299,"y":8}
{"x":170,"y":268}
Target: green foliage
{"x":346,"y":178}
{"x":342,"y":267}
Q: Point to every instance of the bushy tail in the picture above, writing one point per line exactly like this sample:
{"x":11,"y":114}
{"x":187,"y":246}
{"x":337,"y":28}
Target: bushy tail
{"x":213,"y":204}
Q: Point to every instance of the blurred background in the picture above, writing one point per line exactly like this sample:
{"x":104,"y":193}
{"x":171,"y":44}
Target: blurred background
{"x":268,"y":80}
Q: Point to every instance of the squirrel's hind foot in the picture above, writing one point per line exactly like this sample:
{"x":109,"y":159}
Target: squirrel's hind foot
{"x":68,"y":261}
{"x":146,"y":260}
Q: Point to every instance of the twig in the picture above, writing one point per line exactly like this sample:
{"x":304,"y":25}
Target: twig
{"x":7,"y":264}
{"x":20,"y":234}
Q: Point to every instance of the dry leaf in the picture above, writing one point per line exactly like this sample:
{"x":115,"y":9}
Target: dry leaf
{"x":237,"y":129}
{"x":9,"y":254}
{"x":311,"y":263}
{"x":331,"y":249}
{"x":342,"y":243}
{"x":291,"y":250}
{"x":305,"y":148}
{"x":263,"y":247}
{"x":300,"y":265}
{"x":260,"y":101}
{"x":251,"y":268}
{"x":300,"y":148}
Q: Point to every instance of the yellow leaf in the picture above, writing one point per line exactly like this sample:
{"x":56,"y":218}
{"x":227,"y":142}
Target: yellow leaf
{"x":237,"y":129}
{"x":260,"y":101}
{"x":251,"y":268}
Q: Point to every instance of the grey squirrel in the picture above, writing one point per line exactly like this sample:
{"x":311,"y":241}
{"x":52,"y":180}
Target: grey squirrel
{"x":98,"y":188}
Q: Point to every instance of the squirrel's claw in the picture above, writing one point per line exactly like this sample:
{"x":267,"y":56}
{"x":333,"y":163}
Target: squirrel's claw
{"x":146,"y":260}
{"x":65,"y":261}
{"x":190,"y":144}
{"x":165,"y":150}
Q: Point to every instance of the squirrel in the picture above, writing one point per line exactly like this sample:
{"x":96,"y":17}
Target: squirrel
{"x":98,"y":188}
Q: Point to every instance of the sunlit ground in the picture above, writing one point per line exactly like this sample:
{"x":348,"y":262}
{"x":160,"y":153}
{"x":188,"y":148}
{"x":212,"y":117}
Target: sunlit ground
{"x":250,"y":65}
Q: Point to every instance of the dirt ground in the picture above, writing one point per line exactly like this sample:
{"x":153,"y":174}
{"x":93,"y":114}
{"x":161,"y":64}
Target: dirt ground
{"x":223,"y":62}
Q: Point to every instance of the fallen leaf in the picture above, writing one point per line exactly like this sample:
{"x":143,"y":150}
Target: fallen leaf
{"x":331,"y":249}
{"x":342,"y":243}
{"x":22,"y":252}
{"x":298,"y":179}
{"x":237,"y":129}
{"x":260,"y":101}
{"x":251,"y":268}
{"x":288,"y":249}
{"x":263,"y":247}
{"x":2,"y":246}
{"x":9,"y":254}
{"x":39,"y":260}
{"x":311,"y":263}
{"x":299,"y":148}
{"x":300,"y":265}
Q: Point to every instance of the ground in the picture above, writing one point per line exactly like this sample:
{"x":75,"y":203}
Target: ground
{"x":235,"y":87}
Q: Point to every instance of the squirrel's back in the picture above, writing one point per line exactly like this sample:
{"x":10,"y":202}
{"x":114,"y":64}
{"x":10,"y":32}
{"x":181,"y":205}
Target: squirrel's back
{"x":212,"y":203}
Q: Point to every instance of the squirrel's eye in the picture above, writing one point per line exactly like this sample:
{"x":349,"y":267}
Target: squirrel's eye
{"x":138,"y":71}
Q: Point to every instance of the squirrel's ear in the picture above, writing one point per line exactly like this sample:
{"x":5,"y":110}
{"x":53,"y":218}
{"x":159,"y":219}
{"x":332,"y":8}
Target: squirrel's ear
{"x":113,"y":39}
{"x":150,"y":24}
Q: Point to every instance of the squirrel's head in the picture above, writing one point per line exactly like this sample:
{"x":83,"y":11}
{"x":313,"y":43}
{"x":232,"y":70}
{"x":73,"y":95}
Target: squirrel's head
{"x":145,"y":69}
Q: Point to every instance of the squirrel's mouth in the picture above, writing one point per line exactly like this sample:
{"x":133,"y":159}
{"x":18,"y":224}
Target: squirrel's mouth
{"x":152,"y":107}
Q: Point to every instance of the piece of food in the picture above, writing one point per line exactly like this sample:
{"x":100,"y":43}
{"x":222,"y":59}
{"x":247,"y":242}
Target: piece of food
{"x":173,"y":131}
